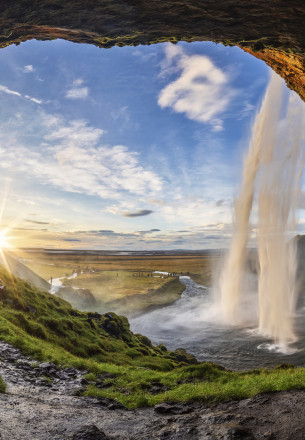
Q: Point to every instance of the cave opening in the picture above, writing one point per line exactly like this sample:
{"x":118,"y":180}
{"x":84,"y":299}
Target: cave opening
{"x":130,"y":152}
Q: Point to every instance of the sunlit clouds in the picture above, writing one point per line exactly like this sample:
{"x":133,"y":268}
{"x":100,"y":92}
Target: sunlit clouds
{"x":202,"y":91}
{"x":129,"y":148}
{"x":72,"y":159}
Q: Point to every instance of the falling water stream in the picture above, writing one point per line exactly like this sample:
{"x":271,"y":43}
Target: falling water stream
{"x":250,"y":319}
{"x":273,"y":168}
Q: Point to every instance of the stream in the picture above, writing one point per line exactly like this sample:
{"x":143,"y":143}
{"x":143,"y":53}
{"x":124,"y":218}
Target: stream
{"x":56,"y":283}
{"x":191,"y":323}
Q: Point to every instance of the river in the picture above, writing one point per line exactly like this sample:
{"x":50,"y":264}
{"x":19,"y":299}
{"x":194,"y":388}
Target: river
{"x":191,"y":323}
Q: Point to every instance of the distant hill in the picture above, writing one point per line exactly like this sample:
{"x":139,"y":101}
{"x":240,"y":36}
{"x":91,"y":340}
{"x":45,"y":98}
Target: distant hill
{"x":18,"y":269}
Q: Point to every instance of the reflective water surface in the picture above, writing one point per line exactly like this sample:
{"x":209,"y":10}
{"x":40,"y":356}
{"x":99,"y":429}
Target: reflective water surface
{"x":191,"y":323}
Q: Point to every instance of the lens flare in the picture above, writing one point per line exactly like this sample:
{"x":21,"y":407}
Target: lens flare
{"x":4,"y":240}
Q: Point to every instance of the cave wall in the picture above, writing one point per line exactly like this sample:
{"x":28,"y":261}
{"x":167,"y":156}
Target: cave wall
{"x":271,"y":30}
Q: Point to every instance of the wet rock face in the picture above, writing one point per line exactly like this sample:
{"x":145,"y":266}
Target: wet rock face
{"x":22,"y":372}
{"x":272,"y":31}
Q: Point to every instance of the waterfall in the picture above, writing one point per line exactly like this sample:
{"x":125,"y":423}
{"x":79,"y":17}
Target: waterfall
{"x":272,"y":175}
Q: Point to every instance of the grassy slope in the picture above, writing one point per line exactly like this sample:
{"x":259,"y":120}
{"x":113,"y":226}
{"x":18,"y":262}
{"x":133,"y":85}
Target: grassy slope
{"x":118,"y":294}
{"x":137,"y":304}
{"x":48,"y":328}
{"x":112,"y":285}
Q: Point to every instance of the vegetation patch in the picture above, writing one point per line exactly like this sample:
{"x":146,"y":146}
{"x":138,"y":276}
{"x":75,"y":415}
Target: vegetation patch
{"x":121,"y":365}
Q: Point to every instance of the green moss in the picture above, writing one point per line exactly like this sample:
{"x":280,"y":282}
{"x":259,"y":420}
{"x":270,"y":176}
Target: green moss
{"x":41,"y":323}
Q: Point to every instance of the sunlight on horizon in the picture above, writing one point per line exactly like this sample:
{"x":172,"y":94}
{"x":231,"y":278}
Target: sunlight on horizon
{"x":129,"y":148}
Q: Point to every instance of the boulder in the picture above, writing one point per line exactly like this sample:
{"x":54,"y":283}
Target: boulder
{"x":89,"y":432}
{"x":48,"y":368}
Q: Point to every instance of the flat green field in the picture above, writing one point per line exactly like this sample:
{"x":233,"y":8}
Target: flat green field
{"x":60,"y":265}
{"x":126,"y":284}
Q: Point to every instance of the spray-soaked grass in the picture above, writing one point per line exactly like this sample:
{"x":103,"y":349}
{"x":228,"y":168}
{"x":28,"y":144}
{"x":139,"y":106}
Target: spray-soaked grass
{"x":215,"y":385}
{"x":48,"y":328}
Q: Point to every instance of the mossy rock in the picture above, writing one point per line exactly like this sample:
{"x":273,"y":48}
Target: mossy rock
{"x":116,"y":325}
{"x":181,"y":355}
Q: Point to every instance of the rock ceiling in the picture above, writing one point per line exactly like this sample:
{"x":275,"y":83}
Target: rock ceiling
{"x":271,"y":30}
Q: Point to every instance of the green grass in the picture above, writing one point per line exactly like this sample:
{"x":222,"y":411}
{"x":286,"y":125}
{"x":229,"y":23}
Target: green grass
{"x":206,"y":383}
{"x":58,"y":265}
{"x":43,"y":324}
{"x":48,"y":328}
{"x":111,"y":285}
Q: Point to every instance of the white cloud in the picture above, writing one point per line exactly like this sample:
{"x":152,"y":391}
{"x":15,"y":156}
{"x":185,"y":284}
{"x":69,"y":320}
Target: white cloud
{"x":26,"y":202}
{"x":201,"y":92}
{"x":37,"y":101}
{"x":77,"y":92}
{"x":72,"y":159}
{"x":8,"y":91}
{"x":78,"y":82}
{"x":29,"y":68}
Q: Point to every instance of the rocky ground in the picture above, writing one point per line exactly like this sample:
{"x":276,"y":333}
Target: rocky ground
{"x":40,"y":405}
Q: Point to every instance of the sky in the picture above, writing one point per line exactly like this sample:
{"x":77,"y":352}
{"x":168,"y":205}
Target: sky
{"x":124,"y":148}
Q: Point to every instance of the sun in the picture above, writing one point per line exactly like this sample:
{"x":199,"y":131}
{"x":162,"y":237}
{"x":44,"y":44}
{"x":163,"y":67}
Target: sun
{"x":4,"y":240}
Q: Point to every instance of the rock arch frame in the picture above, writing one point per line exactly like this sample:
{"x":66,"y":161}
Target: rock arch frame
{"x":271,"y":30}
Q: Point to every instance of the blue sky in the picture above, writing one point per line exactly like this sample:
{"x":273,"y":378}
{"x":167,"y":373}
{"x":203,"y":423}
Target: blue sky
{"x":133,"y":148}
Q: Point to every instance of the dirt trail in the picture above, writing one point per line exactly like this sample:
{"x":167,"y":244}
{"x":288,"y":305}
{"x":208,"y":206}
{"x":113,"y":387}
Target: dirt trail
{"x":36,"y":408}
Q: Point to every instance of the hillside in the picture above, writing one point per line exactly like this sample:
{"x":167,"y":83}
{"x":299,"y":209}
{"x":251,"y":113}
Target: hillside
{"x":18,"y":269}
{"x":136,"y":373}
{"x":28,"y":313}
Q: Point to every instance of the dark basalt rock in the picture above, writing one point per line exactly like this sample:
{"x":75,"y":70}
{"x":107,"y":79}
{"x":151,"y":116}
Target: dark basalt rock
{"x":109,"y":403}
{"x":272,"y":31}
{"x":166,"y":408}
{"x":48,"y":368}
{"x":239,"y":433}
{"x":90,"y":432}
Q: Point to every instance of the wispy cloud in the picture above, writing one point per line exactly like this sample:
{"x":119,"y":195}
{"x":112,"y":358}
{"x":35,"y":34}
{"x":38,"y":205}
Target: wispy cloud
{"x":37,"y":101}
{"x":73,"y":159}
{"x":140,"y":213}
{"x":26,"y":202}
{"x":37,"y":222}
{"x":78,"y":82}
{"x":8,"y":91}
{"x":28,"y":69}
{"x":76,"y":91}
{"x":201,"y":92}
